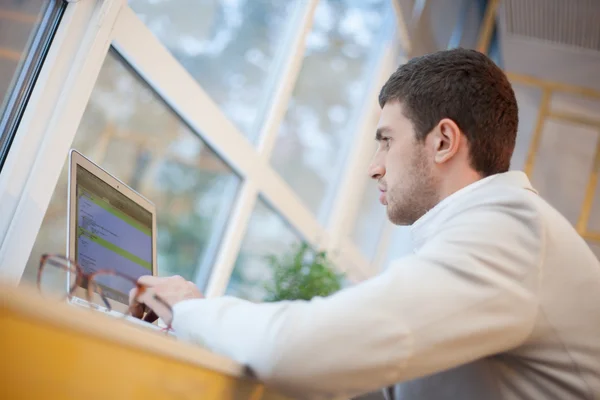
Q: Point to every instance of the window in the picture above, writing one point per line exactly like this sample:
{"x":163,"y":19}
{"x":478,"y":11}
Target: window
{"x":444,"y":22}
{"x":565,"y":172}
{"x":341,"y":50}
{"x":26,"y":30}
{"x":528,"y":100}
{"x":131,"y":133}
{"x":400,"y":245}
{"x":189,"y":89}
{"x":242,"y":120}
{"x":370,"y":221}
{"x":582,"y":112}
{"x":267,"y":234}
{"x":562,"y":167}
{"x":230,"y":47}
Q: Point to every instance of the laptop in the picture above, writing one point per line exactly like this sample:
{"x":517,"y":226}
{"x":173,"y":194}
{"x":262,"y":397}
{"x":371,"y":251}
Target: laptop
{"x":109,"y":226}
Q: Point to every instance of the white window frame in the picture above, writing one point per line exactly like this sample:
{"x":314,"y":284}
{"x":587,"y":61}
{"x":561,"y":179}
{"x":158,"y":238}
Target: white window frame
{"x":48,"y":127}
{"x":54,"y":112}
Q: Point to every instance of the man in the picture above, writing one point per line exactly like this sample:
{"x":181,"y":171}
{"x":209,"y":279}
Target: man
{"x":499,"y":300}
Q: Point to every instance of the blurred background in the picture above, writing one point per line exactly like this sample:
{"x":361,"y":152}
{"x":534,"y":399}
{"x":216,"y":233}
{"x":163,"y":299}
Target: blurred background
{"x":296,"y":82}
{"x":293,"y":87}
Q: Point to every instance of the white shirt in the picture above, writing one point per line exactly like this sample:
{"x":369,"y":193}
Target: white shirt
{"x":501,"y":299}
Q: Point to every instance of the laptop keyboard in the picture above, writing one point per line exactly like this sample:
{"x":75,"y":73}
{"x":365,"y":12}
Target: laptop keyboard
{"x":83,"y":303}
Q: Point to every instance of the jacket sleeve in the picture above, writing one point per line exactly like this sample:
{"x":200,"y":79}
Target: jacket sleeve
{"x":469,"y":292}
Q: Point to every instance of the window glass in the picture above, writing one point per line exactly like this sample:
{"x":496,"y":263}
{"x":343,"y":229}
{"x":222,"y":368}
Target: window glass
{"x":130,"y":132}
{"x":372,"y":215}
{"x":400,"y":245}
{"x":573,"y":104}
{"x":370,"y":221}
{"x":470,"y":20}
{"x":229,"y":47}
{"x":26,"y":31}
{"x":562,"y":167}
{"x":267,"y":234}
{"x":341,"y":51}
{"x":528,"y":100}
{"x":593,"y":221}
{"x":442,"y":21}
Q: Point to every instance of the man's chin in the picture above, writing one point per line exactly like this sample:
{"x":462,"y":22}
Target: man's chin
{"x":398,"y":218}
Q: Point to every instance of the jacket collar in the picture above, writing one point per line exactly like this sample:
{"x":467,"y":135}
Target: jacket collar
{"x":425,"y":226}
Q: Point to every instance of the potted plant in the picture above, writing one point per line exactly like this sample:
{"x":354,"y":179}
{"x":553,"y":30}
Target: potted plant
{"x":301,"y":275}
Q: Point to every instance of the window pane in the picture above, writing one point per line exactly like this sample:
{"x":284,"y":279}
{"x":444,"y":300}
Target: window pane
{"x":26,"y":30}
{"x":528,"y":99}
{"x":400,"y":245}
{"x":370,"y":221}
{"x":562,"y":166}
{"x":131,"y":133}
{"x":342,"y":48}
{"x":593,"y":222}
{"x":574,"y":104}
{"x":442,"y":21}
{"x":470,"y":20}
{"x":267,"y":234}
{"x":229,"y":47}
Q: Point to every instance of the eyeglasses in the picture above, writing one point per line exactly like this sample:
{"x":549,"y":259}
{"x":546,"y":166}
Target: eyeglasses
{"x":59,"y":277}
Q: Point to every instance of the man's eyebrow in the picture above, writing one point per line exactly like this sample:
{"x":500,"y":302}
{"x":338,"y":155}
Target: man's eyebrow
{"x":379,"y":133}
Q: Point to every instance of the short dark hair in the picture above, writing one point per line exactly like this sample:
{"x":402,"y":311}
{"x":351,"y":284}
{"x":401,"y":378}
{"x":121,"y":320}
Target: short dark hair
{"x":467,"y":87}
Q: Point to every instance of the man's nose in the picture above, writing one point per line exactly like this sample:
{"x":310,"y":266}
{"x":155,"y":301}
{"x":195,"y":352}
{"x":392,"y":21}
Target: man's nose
{"x":376,"y":170}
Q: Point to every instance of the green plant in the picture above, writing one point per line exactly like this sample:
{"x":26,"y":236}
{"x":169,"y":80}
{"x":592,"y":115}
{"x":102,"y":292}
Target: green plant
{"x":301,"y":275}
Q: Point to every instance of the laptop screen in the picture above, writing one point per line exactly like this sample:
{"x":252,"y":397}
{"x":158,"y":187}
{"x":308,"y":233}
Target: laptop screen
{"x":113,"y":232}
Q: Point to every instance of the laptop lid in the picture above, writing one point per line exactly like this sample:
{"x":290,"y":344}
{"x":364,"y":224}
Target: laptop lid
{"x":109,"y":226}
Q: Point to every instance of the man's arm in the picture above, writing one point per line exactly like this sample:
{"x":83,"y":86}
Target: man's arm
{"x":469,"y":293}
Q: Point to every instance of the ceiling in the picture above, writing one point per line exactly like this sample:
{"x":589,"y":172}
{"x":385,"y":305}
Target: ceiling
{"x":557,"y":40}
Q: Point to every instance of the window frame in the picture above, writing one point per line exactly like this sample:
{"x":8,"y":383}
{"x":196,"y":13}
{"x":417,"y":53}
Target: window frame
{"x":27,"y":74}
{"x":89,"y":28}
{"x":48,"y":126}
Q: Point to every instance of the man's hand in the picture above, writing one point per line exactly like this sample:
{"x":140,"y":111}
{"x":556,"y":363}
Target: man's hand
{"x":170,"y":290}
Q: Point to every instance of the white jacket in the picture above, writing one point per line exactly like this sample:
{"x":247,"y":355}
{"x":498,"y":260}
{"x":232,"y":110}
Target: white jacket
{"x":501,"y":299}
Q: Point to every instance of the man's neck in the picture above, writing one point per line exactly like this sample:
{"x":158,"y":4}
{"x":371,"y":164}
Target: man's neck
{"x":458,"y":181}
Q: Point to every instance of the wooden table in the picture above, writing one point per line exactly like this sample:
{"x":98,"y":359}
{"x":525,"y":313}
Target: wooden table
{"x":51,"y":350}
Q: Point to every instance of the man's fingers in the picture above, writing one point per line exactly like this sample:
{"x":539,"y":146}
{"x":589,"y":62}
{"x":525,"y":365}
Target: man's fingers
{"x":135,"y":308}
{"x":161,"y":293}
{"x":149,"y":280}
{"x":132,"y":294}
{"x":137,"y":311}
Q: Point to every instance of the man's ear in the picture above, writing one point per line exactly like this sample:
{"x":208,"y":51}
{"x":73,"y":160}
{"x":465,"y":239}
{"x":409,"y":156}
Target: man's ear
{"x":447,"y":140}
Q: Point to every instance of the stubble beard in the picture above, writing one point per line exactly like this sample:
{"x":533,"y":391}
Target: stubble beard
{"x":416,"y":196}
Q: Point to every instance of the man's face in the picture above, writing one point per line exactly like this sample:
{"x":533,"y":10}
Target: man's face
{"x":403,"y":166}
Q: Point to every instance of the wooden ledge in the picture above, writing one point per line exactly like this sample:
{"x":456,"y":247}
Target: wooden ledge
{"x":54,"y":350}
{"x":27,"y":302}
